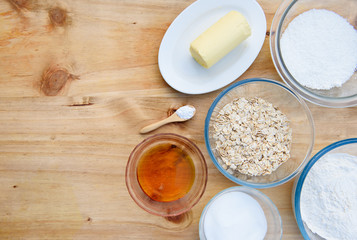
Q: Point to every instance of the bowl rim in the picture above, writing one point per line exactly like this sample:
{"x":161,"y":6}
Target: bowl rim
{"x":243,"y":189}
{"x":302,"y":177}
{"x":231,"y":177}
{"x":202,"y":161}
{"x":275,"y":52}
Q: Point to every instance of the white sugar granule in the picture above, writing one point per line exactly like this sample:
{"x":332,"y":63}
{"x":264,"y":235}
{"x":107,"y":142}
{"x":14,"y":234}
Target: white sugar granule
{"x":235,"y":215}
{"x":319,"y":48}
{"x":329,"y":197}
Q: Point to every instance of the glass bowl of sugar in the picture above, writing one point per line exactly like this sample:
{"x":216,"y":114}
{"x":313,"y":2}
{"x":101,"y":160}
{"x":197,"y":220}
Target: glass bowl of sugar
{"x":240,"y":213}
{"x":324,"y":196}
{"x":313,"y":45}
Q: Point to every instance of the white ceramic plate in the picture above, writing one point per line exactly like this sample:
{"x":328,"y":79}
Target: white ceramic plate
{"x":178,"y":67}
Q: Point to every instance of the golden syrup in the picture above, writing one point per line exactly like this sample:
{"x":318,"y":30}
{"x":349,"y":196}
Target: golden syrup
{"x":166,"y":173}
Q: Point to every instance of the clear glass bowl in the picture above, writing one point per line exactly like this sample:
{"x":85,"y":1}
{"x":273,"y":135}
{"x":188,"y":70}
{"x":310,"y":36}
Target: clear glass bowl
{"x":291,"y":105}
{"x":275,"y":228}
{"x":348,"y":146}
{"x":344,"y":96}
{"x":172,"y":208}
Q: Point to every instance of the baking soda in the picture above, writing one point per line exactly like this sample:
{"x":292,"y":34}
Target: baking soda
{"x":186,"y":112}
{"x":329,"y":197}
{"x":319,"y":48}
{"x":235,"y":215}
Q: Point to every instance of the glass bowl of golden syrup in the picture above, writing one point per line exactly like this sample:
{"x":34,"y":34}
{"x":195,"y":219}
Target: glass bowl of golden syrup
{"x":166,"y":174}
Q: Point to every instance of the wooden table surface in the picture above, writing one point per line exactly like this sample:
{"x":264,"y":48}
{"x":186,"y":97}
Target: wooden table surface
{"x":78,"y":79}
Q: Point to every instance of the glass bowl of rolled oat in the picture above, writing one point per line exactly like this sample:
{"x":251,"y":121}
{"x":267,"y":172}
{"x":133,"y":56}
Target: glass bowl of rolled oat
{"x":259,"y":133}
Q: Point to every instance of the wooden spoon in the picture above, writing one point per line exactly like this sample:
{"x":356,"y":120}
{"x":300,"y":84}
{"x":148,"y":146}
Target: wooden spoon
{"x":173,"y":118}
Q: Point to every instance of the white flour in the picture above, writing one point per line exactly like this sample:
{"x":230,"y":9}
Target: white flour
{"x":329,"y":197}
{"x":319,"y":48}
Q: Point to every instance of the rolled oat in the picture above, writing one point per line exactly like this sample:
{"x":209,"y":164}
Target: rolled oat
{"x":252,"y":136}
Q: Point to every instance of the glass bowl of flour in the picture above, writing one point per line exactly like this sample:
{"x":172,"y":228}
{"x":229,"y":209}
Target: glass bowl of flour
{"x":314,"y":49}
{"x":324,"y":196}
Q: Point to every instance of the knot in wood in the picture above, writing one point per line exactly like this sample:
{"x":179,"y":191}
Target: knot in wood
{"x":54,"y":79}
{"x":57,"y":16}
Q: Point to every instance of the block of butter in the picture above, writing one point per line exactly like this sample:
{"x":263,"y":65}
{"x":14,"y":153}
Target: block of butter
{"x":219,"y":39}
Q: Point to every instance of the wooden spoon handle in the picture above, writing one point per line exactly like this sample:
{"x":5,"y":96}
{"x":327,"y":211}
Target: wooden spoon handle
{"x":154,"y":126}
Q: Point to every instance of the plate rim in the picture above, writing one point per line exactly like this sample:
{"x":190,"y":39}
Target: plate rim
{"x":213,"y":4}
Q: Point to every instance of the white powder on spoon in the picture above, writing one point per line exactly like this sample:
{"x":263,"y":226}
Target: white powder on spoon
{"x":329,"y":197}
{"x":319,"y":48}
{"x":186,"y":112}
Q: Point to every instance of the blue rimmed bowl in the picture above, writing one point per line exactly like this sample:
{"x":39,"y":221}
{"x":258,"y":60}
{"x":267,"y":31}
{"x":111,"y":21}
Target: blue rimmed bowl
{"x":291,"y":105}
{"x":348,"y":146}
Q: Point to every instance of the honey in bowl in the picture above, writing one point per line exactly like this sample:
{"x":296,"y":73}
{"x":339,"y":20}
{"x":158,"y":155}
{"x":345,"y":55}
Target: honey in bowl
{"x":166,"y":172}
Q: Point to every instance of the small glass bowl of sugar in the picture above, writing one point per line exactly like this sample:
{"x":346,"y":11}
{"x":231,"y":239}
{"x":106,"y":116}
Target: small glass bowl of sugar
{"x":240,"y":213}
{"x":313,"y":45}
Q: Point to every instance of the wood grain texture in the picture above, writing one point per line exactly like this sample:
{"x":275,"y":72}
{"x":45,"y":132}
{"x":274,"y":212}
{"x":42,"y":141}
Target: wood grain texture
{"x":63,"y":157}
